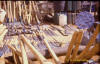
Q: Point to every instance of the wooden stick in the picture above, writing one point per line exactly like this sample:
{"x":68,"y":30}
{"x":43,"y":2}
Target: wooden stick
{"x":24,"y":56}
{"x":8,"y":9}
{"x":34,"y":51}
{"x":2,"y":36}
{"x":0,"y":4}
{"x":16,"y":7}
{"x":25,"y":9}
{"x":19,"y":3}
{"x":2,"y":29}
{"x":16,"y":58}
{"x":78,"y":41}
{"x":92,"y":39}
{"x":14,"y":10}
{"x":35,"y":12}
{"x":29,"y":17}
{"x":11,"y":11}
{"x":51,"y":51}
{"x":92,"y":52}
{"x":5,"y":8}
{"x":16,"y":51}
{"x":70,"y":47}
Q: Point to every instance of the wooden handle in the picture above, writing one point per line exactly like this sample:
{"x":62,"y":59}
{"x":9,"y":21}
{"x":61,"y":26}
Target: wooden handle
{"x":14,"y":10}
{"x":19,"y":8}
{"x":92,"y":39}
{"x":93,"y":51}
{"x":16,"y":58}
{"x":2,"y":29}
{"x":29,"y":17}
{"x":51,"y":51}
{"x":24,"y":56}
{"x":77,"y":43}
{"x":11,"y":11}
{"x":16,"y":51}
{"x":34,"y":51}
{"x":2,"y":36}
{"x":70,"y":47}
{"x":35,"y":12}
{"x":8,"y":13}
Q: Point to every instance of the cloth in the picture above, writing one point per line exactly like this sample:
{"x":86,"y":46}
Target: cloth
{"x":84,"y":20}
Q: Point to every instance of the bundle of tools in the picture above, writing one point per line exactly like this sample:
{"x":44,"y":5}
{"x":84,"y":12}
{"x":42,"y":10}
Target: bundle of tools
{"x":27,"y":50}
{"x":21,"y":11}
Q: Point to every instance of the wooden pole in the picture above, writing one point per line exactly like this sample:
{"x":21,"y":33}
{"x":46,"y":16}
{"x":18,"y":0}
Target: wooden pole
{"x":16,"y":51}
{"x":34,"y":51}
{"x":16,"y":58}
{"x":92,"y":39}
{"x":11,"y":11}
{"x":2,"y":27}
{"x":92,"y":52}
{"x":51,"y":51}
{"x":77,"y":43}
{"x":23,"y":52}
{"x":70,"y":47}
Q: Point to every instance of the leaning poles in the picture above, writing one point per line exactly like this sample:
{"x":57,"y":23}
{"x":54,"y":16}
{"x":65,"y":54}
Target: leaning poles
{"x":40,"y":57}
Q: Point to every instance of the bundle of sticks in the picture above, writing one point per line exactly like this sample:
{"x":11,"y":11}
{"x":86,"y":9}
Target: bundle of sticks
{"x":20,"y":56}
{"x":20,"y":10}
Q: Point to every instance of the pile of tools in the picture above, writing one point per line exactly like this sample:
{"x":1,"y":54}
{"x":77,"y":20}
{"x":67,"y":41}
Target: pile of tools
{"x":25,"y":49}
